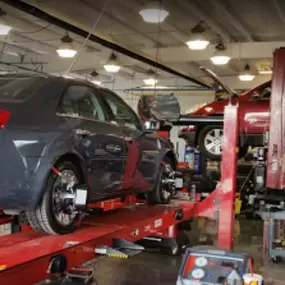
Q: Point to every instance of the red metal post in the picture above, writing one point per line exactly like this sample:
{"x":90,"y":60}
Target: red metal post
{"x":226,"y":190}
{"x":276,"y":169}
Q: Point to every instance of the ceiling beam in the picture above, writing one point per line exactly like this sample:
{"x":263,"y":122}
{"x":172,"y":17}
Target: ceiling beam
{"x":233,"y":20}
{"x":255,"y":50}
{"x":202,"y":16}
{"x":278,"y":10}
{"x":84,"y":32}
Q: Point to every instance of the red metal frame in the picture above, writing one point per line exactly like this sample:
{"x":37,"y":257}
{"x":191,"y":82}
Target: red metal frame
{"x":276,"y":168}
{"x":28,"y":253}
{"x":114,"y":204}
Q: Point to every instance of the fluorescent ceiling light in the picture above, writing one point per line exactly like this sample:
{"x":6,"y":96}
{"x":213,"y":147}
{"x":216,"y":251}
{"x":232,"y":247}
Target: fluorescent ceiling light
{"x":156,"y":87}
{"x":150,"y":81}
{"x":6,"y":72}
{"x":154,"y":13}
{"x":246,"y":75}
{"x":66,"y":49}
{"x":112,"y":64}
{"x":10,"y":53}
{"x":265,"y":71}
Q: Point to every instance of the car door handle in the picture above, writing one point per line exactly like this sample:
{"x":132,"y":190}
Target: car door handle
{"x":82,"y":132}
{"x":128,"y":139}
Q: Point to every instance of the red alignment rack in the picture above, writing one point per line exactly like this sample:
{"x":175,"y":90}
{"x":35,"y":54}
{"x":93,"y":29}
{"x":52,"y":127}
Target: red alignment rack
{"x":25,"y":256}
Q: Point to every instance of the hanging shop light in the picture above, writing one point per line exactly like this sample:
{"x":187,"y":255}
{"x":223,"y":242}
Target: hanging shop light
{"x":4,"y":27}
{"x":97,"y":82}
{"x":198,"y":40}
{"x":220,"y":56}
{"x":151,"y":78}
{"x":246,"y":75}
{"x":265,"y":69}
{"x":66,"y":49}
{"x":112,"y":64}
{"x":95,"y":78}
{"x":154,"y":13}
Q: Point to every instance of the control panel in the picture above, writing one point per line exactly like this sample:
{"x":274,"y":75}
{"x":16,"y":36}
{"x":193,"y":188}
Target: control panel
{"x":212,"y":266}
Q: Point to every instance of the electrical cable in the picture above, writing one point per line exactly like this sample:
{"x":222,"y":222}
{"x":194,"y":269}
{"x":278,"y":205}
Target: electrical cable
{"x":158,"y":41}
{"x":4,"y":45}
{"x":23,"y":68}
{"x":88,"y":36}
{"x":36,"y":31}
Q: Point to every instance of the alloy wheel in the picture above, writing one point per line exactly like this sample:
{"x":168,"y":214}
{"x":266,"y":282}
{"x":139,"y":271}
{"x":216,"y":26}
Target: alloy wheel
{"x":63,"y":207}
{"x":213,"y":141}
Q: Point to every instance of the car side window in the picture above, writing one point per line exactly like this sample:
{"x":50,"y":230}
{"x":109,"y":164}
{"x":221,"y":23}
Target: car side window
{"x":79,"y":100}
{"x":123,"y":114}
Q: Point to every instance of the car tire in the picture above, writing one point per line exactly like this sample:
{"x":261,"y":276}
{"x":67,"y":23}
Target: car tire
{"x":211,"y":135}
{"x":43,"y":219}
{"x":158,"y":195}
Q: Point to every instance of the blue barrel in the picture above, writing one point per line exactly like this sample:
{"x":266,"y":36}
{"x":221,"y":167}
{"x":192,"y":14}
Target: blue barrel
{"x":197,"y":161}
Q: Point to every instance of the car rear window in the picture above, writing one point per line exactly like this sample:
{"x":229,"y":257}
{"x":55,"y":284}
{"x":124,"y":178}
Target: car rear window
{"x":20,"y":89}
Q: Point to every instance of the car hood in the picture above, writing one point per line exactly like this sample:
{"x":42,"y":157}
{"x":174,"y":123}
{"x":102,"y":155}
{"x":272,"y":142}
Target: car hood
{"x":216,"y":107}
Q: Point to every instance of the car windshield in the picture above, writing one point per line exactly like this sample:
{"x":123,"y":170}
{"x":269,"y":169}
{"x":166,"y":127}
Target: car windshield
{"x":19,"y":89}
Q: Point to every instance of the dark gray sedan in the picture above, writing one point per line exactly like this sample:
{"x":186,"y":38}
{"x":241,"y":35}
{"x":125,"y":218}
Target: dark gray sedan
{"x":66,"y":143}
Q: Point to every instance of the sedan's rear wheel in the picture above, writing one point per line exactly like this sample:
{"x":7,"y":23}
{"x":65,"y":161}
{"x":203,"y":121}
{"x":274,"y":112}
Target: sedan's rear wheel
{"x":56,"y":213}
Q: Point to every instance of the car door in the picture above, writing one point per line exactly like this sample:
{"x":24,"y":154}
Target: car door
{"x":98,"y":141}
{"x":142,"y":149}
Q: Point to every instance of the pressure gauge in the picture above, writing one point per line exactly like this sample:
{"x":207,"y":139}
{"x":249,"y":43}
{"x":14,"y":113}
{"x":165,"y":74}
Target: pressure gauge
{"x":198,"y":273}
{"x":201,"y":261}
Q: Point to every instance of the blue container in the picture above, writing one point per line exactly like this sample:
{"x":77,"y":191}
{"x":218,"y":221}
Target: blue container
{"x":189,"y":156}
{"x":197,"y":161}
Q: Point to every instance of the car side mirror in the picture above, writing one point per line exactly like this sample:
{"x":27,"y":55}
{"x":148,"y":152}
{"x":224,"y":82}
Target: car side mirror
{"x":255,"y":96}
{"x":152,"y":125}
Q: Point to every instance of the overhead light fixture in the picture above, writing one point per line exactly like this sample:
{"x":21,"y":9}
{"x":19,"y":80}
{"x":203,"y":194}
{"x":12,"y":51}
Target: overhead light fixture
{"x":264,"y":69}
{"x":4,"y":27}
{"x":11,"y":53}
{"x":246,"y":75}
{"x":198,"y":41}
{"x":154,"y":13}
{"x":112,"y":64}
{"x":97,"y":82}
{"x":95,"y":74}
{"x":66,"y":49}
{"x":220,"y":56}
{"x":151,"y":78}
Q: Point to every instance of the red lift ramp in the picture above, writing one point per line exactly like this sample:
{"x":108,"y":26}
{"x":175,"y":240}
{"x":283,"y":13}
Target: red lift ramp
{"x":25,"y":257}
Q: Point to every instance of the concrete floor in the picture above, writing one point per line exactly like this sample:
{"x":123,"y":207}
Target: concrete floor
{"x":158,"y":269}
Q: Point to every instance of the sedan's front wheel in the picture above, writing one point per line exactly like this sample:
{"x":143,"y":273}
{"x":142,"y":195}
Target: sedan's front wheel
{"x":56,"y":213}
{"x":164,"y":188}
